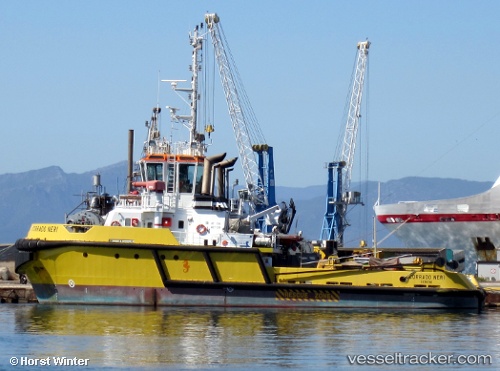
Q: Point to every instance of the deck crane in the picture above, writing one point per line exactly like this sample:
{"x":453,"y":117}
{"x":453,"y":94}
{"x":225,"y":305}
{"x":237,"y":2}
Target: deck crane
{"x":339,"y":196}
{"x":259,"y":177}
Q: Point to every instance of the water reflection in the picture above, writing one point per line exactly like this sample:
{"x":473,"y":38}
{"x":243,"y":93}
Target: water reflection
{"x":114,"y":336}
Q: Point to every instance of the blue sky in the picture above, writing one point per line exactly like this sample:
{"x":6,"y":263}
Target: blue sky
{"x":76,"y":76}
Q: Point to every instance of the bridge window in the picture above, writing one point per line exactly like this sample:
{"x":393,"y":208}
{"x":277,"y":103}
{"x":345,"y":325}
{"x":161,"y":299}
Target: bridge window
{"x":189,"y":177}
{"x":154,"y":171}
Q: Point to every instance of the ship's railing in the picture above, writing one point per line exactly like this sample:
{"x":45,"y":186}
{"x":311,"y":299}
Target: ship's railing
{"x":132,"y":201}
{"x":146,"y":201}
{"x":186,"y":148}
{"x":159,"y":147}
{"x":150,"y":201}
{"x":178,"y":148}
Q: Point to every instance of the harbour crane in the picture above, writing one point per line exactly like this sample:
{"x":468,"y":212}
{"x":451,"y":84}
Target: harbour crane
{"x":339,"y":195}
{"x":259,"y":175}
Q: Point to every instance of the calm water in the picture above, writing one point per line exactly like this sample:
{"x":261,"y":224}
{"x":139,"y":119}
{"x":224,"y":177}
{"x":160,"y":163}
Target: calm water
{"x":193,"y":338}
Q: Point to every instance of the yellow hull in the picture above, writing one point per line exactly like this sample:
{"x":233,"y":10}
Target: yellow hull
{"x":148,"y":267}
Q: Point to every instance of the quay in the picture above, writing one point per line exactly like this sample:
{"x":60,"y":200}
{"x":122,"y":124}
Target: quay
{"x":11,"y":289}
{"x":15,"y":292}
{"x":492,"y":293}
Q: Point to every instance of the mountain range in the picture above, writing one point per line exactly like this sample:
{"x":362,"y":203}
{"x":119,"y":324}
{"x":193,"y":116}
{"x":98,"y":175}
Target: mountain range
{"x":46,"y":195}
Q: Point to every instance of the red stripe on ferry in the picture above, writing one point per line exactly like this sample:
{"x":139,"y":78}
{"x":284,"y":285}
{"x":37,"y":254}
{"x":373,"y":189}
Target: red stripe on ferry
{"x":435,"y":218}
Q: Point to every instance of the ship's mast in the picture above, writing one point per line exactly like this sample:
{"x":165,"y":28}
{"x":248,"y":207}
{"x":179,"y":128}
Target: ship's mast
{"x":196,"y":145}
{"x":196,"y":42}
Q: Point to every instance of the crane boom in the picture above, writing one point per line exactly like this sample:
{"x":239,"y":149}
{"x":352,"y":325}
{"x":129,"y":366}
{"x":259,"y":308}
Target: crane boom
{"x":245,"y":126}
{"x":339,"y":197}
{"x":351,"y":130}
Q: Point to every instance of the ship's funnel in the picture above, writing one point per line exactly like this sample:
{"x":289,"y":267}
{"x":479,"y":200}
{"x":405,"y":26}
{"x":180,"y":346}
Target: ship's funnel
{"x":207,"y":172}
{"x":222,"y":166}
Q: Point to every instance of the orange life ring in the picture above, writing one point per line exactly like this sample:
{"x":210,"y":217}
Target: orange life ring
{"x":116,"y":224}
{"x":201,"y":229}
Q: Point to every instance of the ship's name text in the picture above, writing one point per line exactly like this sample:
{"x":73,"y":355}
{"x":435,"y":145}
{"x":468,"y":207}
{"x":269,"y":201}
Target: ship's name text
{"x":44,"y":228}
{"x":428,"y":277}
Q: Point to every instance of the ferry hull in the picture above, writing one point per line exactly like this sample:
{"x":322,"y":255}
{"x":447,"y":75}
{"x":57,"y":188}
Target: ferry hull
{"x":450,"y":233}
{"x":263,"y":296}
{"x":463,"y":223}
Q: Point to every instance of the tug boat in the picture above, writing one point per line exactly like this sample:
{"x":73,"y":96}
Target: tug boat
{"x":176,"y":238}
{"x":148,"y":266}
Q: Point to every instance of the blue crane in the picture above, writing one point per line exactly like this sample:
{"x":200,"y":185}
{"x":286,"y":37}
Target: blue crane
{"x":339,"y":172}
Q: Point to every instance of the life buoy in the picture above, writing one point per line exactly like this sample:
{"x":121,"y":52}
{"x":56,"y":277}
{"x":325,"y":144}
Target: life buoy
{"x":116,"y":224}
{"x":201,"y":229}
